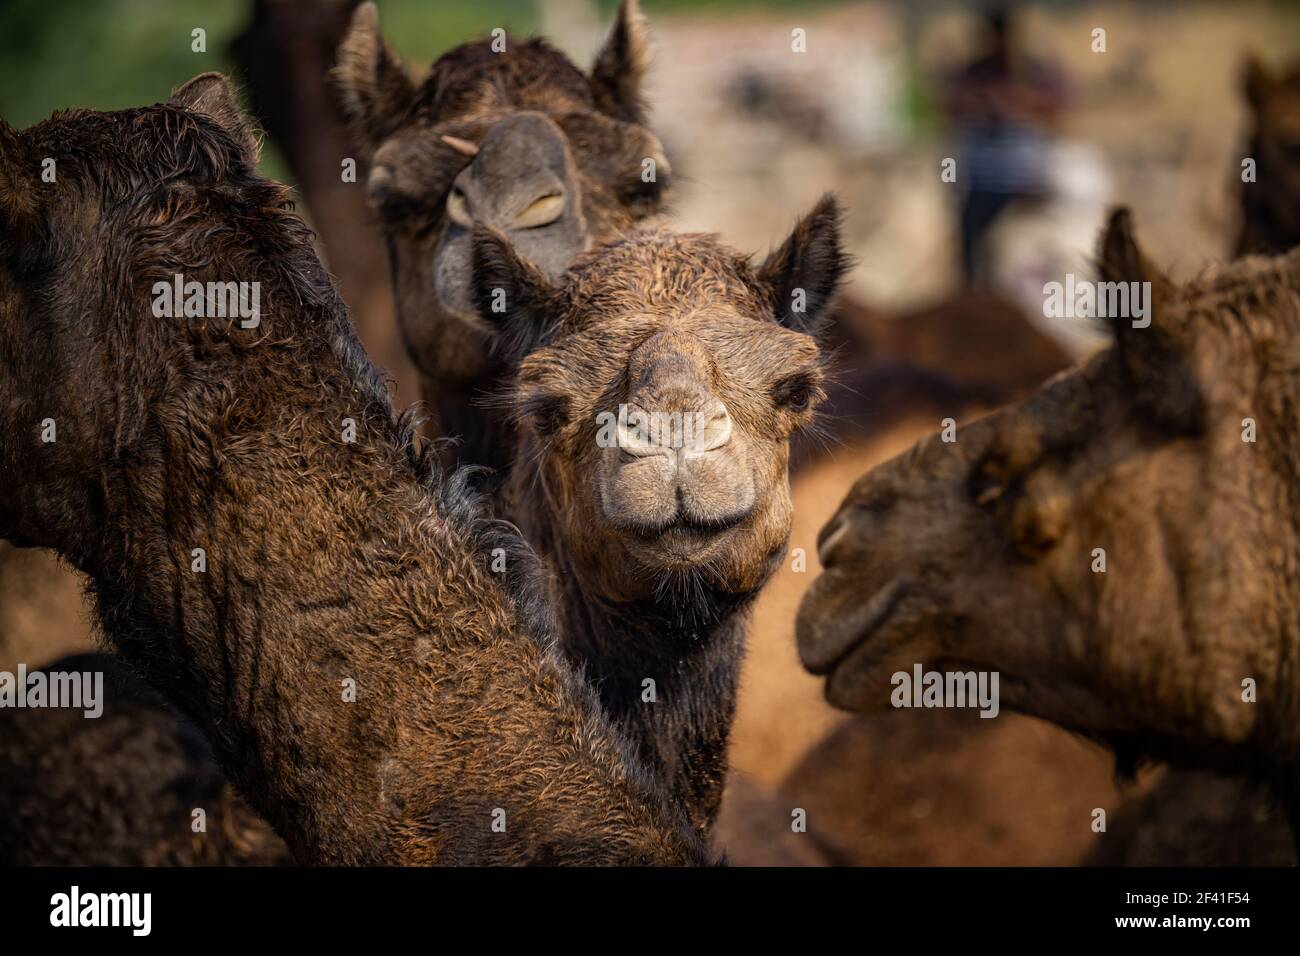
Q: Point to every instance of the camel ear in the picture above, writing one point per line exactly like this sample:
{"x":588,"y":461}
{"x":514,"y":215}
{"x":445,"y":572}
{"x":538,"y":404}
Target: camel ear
{"x":212,"y":95}
{"x":1151,"y":347}
{"x":621,"y":65}
{"x":1256,"y":81}
{"x":1120,"y":259}
{"x":513,"y":296}
{"x":376,"y":90}
{"x":803,"y":275}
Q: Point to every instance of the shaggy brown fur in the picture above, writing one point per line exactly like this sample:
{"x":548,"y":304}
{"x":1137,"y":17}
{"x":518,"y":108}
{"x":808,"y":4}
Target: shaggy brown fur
{"x":559,"y":168}
{"x":120,"y":789}
{"x":1270,"y":206}
{"x":659,"y":550}
{"x":978,"y":554}
{"x":326,"y":560}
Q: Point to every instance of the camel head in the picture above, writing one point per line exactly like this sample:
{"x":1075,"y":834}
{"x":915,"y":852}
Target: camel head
{"x":507,"y":133}
{"x":659,"y":382}
{"x":145,"y":272}
{"x":1111,"y":546}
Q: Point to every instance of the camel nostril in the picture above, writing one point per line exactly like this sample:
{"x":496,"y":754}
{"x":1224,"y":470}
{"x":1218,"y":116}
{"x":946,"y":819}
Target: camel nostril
{"x":829,"y":537}
{"x":637,"y":435}
{"x":641,"y":433}
{"x":711,"y":429}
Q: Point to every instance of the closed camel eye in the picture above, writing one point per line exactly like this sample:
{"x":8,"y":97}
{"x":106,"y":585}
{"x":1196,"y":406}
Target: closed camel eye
{"x":988,"y":494}
{"x":458,"y":209}
{"x":542,"y":212}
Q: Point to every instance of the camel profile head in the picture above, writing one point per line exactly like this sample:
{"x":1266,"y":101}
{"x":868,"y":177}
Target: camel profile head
{"x":144,"y":267}
{"x":1120,"y":547}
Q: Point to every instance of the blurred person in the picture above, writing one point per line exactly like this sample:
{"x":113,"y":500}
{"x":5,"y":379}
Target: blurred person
{"x":1003,"y":107}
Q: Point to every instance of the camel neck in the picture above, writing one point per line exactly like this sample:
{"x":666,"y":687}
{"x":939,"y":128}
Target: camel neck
{"x":329,"y":617}
{"x":666,"y":667}
{"x":668,"y":675}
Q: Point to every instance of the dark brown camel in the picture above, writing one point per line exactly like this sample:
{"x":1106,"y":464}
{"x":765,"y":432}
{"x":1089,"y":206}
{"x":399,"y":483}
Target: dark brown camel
{"x":660,"y":544}
{"x":518,"y":139}
{"x":540,"y":128}
{"x":983,"y":554}
{"x":373,"y":688}
{"x":121,"y":789}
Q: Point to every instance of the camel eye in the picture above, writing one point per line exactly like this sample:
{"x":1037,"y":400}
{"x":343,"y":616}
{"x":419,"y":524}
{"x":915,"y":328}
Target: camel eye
{"x":543,"y":212}
{"x":796,"y":393}
{"x":458,"y":209}
{"x":987,"y":493}
{"x":643,"y":194}
{"x":987,"y":482}
{"x":548,"y":413}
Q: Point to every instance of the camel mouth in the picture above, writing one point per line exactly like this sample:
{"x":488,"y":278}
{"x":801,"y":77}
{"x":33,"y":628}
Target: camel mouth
{"x":686,"y":527}
{"x":683,"y":542}
{"x":827,"y":641}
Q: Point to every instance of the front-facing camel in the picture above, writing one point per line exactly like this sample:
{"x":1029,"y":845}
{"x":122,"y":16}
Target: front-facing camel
{"x":1122,"y":547}
{"x":264,"y":541}
{"x":659,"y":382}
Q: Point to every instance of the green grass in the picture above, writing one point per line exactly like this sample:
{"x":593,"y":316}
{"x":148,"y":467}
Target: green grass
{"x":113,"y":54}
{"x":105,"y":55}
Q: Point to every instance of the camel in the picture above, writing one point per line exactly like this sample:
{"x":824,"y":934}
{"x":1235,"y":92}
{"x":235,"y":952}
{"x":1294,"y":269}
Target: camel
{"x":140,"y":775}
{"x":659,"y":544}
{"x":522,"y":141}
{"x":1270,"y":203}
{"x":533,"y":125}
{"x":266,"y":543}
{"x":519,"y":139}
{"x":983,"y":554}
{"x":903,"y":352}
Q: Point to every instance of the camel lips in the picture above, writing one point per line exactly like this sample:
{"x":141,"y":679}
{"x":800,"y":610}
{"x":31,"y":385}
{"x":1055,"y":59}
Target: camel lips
{"x":946,"y":689}
{"x":77,"y":691}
